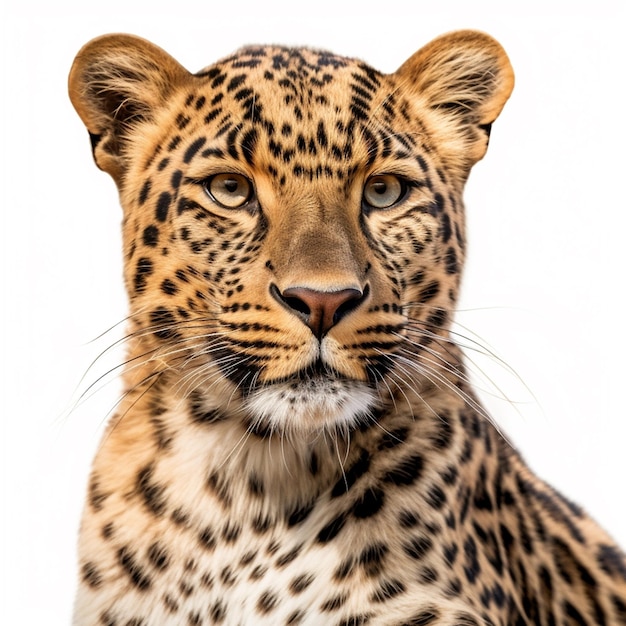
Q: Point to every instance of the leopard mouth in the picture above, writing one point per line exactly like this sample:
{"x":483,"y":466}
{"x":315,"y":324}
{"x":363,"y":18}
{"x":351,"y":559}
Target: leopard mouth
{"x":314,"y":399}
{"x":317,"y":372}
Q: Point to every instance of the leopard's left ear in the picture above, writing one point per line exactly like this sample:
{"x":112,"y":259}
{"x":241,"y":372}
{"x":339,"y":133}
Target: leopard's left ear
{"x":459,"y":83}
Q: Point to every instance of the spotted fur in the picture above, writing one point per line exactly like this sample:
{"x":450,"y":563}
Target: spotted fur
{"x":297,"y":442}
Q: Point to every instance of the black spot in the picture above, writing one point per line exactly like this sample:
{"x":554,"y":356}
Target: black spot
{"x":108,"y":530}
{"x":288,"y":557}
{"x":90,"y":575}
{"x":417,"y":278}
{"x":351,"y":475}
{"x":153,"y":494}
{"x":619,"y":605}
{"x":235,"y":82}
{"x":163,"y":206}
{"x":96,"y":496}
{"x":217,"y":612}
{"x":418,"y":547}
{"x":471,"y":566}
{"x":430,"y":291}
{"x":299,"y":514}
{"x":164,"y":323}
{"x":145,"y":192}
{"x":177,"y":176}
{"x":572,"y":612}
{"x":207,"y":538}
{"x":372,"y":557}
{"x":151,"y":236}
{"x":612,"y":561}
{"x":127,"y":559}
{"x":168,"y":287}
{"x":450,"y":476}
{"x":193,"y":149}
{"x":267,"y":602}
{"x":436,"y":497}
{"x":466,"y":619}
{"x":393,"y":438}
{"x":426,"y":617}
{"x":247,"y":558}
{"x":218,"y":78}
{"x":261,"y":525}
{"x":157,"y":555}
{"x":295,"y":618}
{"x":332,"y":529}
{"x":388,"y":589}
{"x":300,"y":583}
{"x":144,"y":269}
{"x":173,"y":144}
{"x":248,"y":144}
{"x":454,"y":588}
{"x":406,"y":472}
{"x":437,"y":319}
{"x":219,"y":488}
{"x":227,"y":577}
{"x":182,"y":121}
{"x":334,"y":603}
{"x":524,"y":536}
{"x":482,"y":499}
{"x":408,"y":519}
{"x":428,"y":575}
{"x":255,"y":485}
{"x":180,"y":517}
{"x":369,"y":503}
{"x":231,"y":532}
{"x":491,"y":548}
{"x":213,"y":113}
{"x":499,"y":597}
{"x":450,"y":553}
{"x":445,"y":228}
{"x":551,"y":502}
{"x":451,"y":261}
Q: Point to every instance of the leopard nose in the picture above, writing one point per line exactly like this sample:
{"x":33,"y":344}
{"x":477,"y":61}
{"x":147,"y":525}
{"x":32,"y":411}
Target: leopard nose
{"x":320,"y":310}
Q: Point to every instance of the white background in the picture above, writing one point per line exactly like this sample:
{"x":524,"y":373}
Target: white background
{"x":544,"y":284}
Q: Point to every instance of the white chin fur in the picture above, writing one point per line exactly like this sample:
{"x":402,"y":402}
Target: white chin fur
{"x":311,"y":406}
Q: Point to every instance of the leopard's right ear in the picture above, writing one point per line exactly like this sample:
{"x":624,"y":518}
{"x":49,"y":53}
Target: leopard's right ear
{"x":116,"y":83}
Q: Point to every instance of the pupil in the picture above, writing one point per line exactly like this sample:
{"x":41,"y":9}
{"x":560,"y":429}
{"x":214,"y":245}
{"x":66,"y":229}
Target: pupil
{"x":380,"y":188}
{"x":231,"y":185}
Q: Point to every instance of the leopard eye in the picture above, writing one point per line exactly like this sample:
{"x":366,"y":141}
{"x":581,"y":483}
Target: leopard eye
{"x":383,"y":191}
{"x":232,"y":191}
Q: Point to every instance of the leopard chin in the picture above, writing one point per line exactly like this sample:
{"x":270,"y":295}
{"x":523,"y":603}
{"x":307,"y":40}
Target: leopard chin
{"x":311,"y":406}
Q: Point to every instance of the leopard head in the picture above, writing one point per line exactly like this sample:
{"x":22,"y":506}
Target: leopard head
{"x":293,"y":220}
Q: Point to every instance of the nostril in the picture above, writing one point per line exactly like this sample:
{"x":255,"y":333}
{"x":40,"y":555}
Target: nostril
{"x":353,"y":302}
{"x":297,"y":305}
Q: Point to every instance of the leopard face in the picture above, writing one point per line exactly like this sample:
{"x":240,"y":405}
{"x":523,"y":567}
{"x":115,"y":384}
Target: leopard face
{"x":293,"y":224}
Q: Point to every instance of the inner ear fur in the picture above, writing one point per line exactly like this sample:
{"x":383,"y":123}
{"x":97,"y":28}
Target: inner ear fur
{"x":117,"y":81}
{"x":462,"y":80}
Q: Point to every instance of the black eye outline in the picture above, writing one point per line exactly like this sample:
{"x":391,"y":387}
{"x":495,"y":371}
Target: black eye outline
{"x":391,"y":191}
{"x":230,"y":190}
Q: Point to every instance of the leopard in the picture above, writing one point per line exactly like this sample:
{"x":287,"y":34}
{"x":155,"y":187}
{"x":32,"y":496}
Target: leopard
{"x":298,"y":440}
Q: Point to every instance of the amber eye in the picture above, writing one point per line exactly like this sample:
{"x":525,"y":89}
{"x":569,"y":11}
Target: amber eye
{"x":383,"y":191}
{"x":232,"y":191}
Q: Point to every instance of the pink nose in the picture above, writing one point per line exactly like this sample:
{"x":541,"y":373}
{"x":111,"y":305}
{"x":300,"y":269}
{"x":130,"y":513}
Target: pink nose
{"x":320,"y":310}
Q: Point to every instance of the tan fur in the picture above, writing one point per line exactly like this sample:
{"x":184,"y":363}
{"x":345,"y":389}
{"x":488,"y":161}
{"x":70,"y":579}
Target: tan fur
{"x":298,"y":442}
